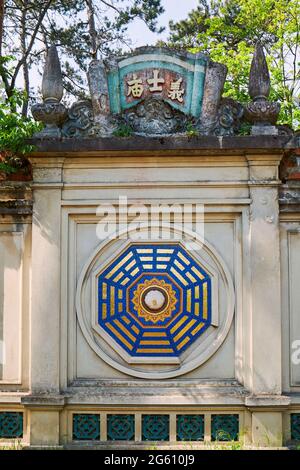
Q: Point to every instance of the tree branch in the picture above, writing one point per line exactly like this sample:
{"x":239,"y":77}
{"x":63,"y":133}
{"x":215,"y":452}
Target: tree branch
{"x":31,"y":43}
{"x":1,"y":24}
{"x":92,"y":27}
{"x":109,"y":5}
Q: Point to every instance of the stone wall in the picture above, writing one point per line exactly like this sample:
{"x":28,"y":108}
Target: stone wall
{"x":59,"y":365}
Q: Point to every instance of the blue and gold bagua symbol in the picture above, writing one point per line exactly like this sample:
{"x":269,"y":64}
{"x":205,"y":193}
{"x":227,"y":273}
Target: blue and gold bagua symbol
{"x":175,"y":77}
{"x":154,"y":300}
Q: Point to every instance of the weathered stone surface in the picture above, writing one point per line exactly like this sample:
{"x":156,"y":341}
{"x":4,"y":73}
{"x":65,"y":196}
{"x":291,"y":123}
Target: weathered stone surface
{"x":157,"y":91}
{"x":285,"y":130}
{"x":259,"y":84}
{"x":213,"y":89}
{"x":262,"y":113}
{"x":178,"y":144}
{"x":80,"y":122}
{"x":104,"y":124}
{"x":15,"y":199}
{"x":98,"y":88}
{"x":52,"y":87}
{"x":51,"y":112}
{"x":228,"y":119}
{"x":155,"y":117}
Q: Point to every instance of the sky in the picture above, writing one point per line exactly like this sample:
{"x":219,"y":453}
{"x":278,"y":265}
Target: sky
{"x":175,"y":10}
{"x":138,"y":32}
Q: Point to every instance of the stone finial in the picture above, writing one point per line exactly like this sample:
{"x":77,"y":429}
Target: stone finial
{"x":259,"y":82}
{"x":51,"y":112}
{"x":52,"y":86}
{"x":261,"y":113}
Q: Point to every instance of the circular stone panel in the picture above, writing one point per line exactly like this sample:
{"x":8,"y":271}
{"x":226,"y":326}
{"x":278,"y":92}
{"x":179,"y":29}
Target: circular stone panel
{"x":169,"y":347}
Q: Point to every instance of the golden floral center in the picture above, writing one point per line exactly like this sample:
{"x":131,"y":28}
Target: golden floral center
{"x":154,"y":300}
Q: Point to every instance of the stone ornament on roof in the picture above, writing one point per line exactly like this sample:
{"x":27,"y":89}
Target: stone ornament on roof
{"x":155,"y":92}
{"x":260,"y":112}
{"x":51,"y":112}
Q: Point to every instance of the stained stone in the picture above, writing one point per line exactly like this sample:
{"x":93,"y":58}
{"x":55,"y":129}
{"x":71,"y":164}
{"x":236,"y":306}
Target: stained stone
{"x":51,"y":112}
{"x":261,"y":112}
{"x":186,"y":100}
{"x":52,"y":86}
{"x":98,"y":87}
{"x":213,"y":89}
{"x":259,"y":84}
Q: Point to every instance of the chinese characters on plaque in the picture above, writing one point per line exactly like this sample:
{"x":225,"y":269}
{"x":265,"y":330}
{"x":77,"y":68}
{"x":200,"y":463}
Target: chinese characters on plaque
{"x":146,"y":82}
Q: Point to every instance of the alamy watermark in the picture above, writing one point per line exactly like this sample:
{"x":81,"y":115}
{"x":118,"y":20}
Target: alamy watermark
{"x":2,"y":353}
{"x":152,"y":222}
{"x":295,"y":358}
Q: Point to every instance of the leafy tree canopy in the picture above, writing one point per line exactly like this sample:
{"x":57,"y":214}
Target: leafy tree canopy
{"x":227,"y":30}
{"x":83,"y":30}
{"x":15,"y":129}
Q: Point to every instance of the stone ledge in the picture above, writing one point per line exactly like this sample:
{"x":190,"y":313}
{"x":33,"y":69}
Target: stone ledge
{"x":180,"y":144}
{"x":164,"y":394}
{"x":164,"y":446}
{"x":45,"y":447}
{"x":295,"y":400}
{"x":267,"y":401}
{"x":43,"y":401}
{"x":155,"y":384}
{"x":11,"y":398}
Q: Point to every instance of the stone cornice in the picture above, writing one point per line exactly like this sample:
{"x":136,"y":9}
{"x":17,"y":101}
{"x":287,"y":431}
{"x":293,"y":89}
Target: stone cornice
{"x":180,"y":145}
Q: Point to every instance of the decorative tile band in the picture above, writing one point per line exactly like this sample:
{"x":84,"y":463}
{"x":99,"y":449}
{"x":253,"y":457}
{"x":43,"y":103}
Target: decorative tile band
{"x":120,"y":427}
{"x":224,"y":427}
{"x":86,"y":427}
{"x":295,"y":426}
{"x":11,"y":425}
{"x":190,"y":428}
{"x":155,"y":427}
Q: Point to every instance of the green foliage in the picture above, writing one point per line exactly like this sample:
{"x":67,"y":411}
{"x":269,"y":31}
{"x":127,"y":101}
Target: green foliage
{"x":227,"y":30}
{"x":191,"y":130}
{"x":146,"y":10}
{"x":123,"y":131}
{"x":245,"y":129}
{"x":14,"y":130}
{"x":14,"y":445}
{"x":7,"y":168}
{"x":83,"y":30}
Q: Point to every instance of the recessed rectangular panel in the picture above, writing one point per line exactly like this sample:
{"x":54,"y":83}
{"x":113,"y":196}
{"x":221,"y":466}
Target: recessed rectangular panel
{"x":11,"y":249}
{"x":294,"y":310}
